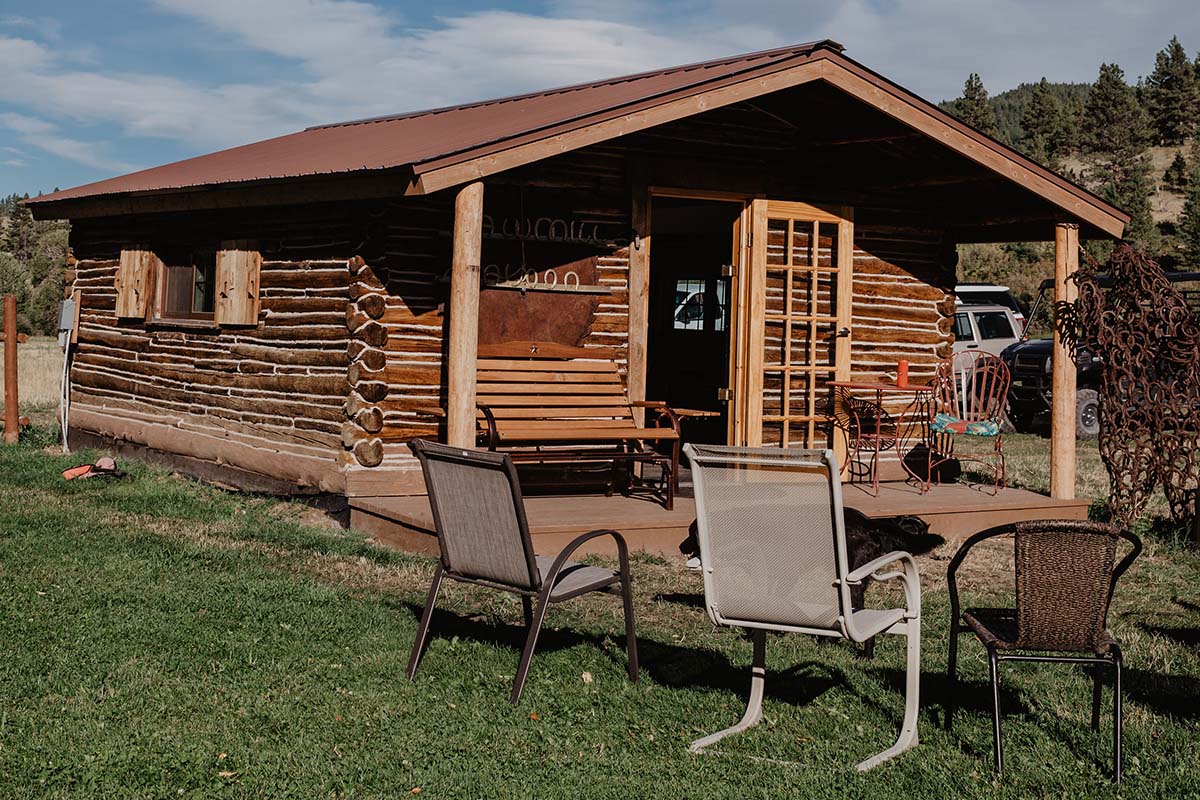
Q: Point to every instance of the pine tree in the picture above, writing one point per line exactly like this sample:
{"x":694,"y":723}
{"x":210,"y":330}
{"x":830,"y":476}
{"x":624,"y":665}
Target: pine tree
{"x":1171,"y":94}
{"x":1189,"y":221}
{"x":1176,"y":176}
{"x":1044,"y":139}
{"x":1117,"y":133}
{"x":974,"y":108}
{"x":20,"y":237}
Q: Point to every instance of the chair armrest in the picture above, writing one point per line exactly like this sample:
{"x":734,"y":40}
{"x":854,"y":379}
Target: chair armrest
{"x":565,"y":555}
{"x":952,"y":567}
{"x":664,"y":411}
{"x":908,"y":574}
{"x":870,"y":568}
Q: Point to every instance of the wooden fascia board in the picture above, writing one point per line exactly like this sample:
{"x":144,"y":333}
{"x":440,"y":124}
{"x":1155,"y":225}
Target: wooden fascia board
{"x":430,"y":180}
{"x":845,"y":75}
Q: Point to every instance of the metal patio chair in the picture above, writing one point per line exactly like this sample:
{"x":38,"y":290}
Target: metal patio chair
{"x":483,"y":536}
{"x":1066,"y":571}
{"x":969,"y":395}
{"x":773,"y":546}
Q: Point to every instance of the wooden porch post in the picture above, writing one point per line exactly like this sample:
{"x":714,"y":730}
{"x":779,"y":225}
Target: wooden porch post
{"x":1062,"y":385}
{"x":464,"y":315}
{"x":639,"y":291}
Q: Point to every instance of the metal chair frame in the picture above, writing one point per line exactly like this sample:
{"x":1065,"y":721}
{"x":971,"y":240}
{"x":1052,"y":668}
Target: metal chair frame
{"x":972,"y":386}
{"x":896,"y":565}
{"x":1113,"y":660}
{"x":539,"y":588}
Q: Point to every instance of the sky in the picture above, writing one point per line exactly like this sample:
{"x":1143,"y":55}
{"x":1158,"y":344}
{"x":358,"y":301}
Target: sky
{"x":95,"y":88}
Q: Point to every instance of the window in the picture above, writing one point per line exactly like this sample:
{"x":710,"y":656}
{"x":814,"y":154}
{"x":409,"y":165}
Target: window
{"x":962,"y":328}
{"x":701,"y":304}
{"x":994,"y":325}
{"x":188,"y":286}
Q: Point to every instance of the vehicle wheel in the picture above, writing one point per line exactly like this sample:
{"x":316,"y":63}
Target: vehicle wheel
{"x":1087,"y":414}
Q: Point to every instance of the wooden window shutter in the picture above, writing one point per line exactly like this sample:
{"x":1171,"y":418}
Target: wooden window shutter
{"x":135,"y":283}
{"x":237,"y":300}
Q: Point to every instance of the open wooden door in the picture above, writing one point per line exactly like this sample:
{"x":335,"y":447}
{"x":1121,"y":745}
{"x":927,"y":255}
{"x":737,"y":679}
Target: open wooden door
{"x":793,"y":334}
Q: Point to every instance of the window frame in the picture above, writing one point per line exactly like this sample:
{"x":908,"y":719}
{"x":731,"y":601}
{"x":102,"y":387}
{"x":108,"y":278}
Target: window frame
{"x":161,"y":314}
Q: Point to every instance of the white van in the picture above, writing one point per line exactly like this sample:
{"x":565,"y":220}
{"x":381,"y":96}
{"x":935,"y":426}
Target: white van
{"x":989,"y":329}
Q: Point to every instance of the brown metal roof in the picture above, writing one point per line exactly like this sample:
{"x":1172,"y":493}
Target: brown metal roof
{"x":415,"y":138}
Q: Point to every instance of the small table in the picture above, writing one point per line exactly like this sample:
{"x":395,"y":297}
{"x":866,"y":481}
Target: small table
{"x":879,"y":388}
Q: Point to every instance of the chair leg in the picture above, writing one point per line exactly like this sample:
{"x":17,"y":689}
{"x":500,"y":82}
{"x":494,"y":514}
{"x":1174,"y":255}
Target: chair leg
{"x":1097,"y":693}
{"x":527,"y":609}
{"x":422,"y":639}
{"x":630,"y":633}
{"x":1118,"y":714}
{"x":535,"y":627}
{"x":908,"y":737}
{"x":951,"y":703}
{"x":994,"y":675}
{"x":758,"y":673}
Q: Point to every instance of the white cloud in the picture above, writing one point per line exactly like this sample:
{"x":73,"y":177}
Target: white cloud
{"x":44,"y":135}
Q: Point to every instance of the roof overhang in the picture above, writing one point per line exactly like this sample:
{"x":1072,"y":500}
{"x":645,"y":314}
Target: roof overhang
{"x":836,"y":69}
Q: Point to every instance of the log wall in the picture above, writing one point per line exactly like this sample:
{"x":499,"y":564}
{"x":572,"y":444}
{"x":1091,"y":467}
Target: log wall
{"x":267,"y":398}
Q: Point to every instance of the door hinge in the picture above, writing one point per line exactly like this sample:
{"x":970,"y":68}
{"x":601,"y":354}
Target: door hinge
{"x":750,"y":239}
{"x":725,"y":395}
{"x":728,"y":271}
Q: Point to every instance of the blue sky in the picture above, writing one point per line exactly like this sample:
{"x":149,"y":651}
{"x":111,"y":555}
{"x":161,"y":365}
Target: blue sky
{"x":94,"y":88}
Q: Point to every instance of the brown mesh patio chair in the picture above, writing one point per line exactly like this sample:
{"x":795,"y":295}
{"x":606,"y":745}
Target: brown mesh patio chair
{"x":484,"y":539}
{"x":970,"y":392}
{"x":1066,"y":571}
{"x":773,"y":547}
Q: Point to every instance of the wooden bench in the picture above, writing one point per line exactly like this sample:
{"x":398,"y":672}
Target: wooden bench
{"x":549,"y":403}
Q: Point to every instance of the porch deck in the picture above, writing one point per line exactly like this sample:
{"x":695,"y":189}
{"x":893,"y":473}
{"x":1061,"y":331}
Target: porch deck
{"x":953,"y":511}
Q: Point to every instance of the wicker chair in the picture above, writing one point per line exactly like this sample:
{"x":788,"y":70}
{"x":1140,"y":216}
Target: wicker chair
{"x":484,"y":540}
{"x":1066,"y":571}
{"x":969,"y":396}
{"x":773,"y":547}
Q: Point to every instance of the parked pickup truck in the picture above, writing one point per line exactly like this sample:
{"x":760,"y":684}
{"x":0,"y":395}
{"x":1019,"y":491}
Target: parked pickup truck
{"x":1029,"y":361}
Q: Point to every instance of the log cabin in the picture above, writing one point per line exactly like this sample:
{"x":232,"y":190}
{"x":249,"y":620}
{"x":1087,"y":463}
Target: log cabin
{"x":731,"y":234}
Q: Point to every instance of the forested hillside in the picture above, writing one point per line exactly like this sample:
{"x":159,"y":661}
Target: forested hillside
{"x":33,"y":259}
{"x":1133,"y":143}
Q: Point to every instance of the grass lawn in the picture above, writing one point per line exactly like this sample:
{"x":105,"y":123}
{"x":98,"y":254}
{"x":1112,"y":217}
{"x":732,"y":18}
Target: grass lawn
{"x":165,"y":639}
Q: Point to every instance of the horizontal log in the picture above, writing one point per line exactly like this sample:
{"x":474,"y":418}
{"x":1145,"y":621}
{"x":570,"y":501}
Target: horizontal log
{"x":372,"y":333}
{"x":401,"y":374}
{"x":370,"y":419}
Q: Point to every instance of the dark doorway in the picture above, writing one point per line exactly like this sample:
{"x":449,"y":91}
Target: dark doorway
{"x":687,"y":355}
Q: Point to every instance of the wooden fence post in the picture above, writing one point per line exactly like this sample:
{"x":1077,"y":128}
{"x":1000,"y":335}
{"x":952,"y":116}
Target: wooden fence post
{"x":12,"y":422}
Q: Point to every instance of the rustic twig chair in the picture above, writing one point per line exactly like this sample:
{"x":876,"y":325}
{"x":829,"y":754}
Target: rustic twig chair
{"x":484,"y":540}
{"x":970,"y":392}
{"x":1066,"y":571}
{"x":773,"y":545}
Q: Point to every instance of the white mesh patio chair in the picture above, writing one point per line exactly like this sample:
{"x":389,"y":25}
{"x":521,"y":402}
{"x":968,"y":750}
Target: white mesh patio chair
{"x":773,"y":547}
{"x":484,"y":540}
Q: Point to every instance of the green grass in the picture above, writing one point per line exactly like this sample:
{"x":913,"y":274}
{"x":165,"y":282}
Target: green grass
{"x":165,"y":639}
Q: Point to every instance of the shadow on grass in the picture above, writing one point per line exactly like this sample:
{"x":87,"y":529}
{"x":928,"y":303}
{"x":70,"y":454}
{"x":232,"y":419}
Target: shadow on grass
{"x":1173,"y":696}
{"x":679,"y":667}
{"x":476,"y":627}
{"x":689,"y":599}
